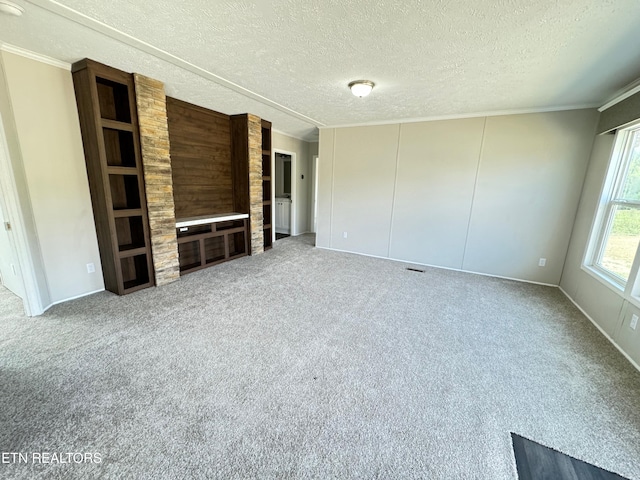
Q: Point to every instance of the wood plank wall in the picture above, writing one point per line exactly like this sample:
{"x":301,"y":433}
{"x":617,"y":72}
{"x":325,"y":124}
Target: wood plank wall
{"x":200,"y":159}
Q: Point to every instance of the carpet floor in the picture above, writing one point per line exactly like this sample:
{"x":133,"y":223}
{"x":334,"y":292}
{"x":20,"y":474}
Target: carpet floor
{"x":307,"y":363}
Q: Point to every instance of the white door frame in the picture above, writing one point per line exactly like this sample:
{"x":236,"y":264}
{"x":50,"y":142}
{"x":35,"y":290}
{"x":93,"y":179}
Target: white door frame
{"x":10,"y":276}
{"x":18,"y":234}
{"x":314,"y":193}
{"x":294,"y":189}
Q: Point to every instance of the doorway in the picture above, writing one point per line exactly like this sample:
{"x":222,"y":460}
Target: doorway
{"x":285,"y":194}
{"x":9,"y":269}
{"x":16,"y":273}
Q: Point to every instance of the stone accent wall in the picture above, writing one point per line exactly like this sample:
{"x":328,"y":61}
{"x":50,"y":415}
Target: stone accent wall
{"x":255,"y":184}
{"x":156,"y":160}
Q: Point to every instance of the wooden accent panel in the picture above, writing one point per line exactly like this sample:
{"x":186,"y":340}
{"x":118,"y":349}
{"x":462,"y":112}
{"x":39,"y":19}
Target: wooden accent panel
{"x":200,"y":142}
{"x":239,"y":140}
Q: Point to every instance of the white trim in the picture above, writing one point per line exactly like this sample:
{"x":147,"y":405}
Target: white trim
{"x":58,"y":302}
{"x":456,"y":116}
{"x":280,"y":132}
{"x":441,"y":267}
{"x":205,"y":219}
{"x":273,"y":196}
{"x":606,"y":335}
{"x":333,"y":184}
{"x":622,"y":94}
{"x":313,"y":223}
{"x":32,"y":300}
{"x":115,"y":34}
{"x":6,"y":47}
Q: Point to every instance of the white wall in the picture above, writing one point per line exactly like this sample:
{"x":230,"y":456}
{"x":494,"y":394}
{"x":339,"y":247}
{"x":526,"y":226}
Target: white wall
{"x":605,"y":306}
{"x":490,"y":195}
{"x":47,"y":133}
{"x":303,"y":168}
{"x":428,"y":151}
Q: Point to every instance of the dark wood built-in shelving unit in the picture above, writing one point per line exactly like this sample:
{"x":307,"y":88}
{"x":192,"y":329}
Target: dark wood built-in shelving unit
{"x":108,"y":120}
{"x":206,"y":244}
{"x":267,"y":208}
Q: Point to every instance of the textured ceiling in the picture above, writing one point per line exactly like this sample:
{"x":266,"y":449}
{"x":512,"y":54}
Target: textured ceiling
{"x":290,"y":60}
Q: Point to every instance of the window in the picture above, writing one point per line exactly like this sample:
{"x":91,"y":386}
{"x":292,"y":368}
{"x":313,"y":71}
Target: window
{"x":616,"y":234}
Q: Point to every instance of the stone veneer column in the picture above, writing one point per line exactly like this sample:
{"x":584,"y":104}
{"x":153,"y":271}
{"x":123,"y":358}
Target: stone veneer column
{"x":255,"y":183}
{"x":156,"y":161}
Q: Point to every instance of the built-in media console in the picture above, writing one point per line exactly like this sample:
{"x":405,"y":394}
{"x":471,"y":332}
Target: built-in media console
{"x":211,"y":239}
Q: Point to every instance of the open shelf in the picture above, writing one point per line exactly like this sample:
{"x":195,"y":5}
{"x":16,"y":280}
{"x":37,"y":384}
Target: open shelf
{"x":237,"y":244}
{"x":268,"y":240}
{"x":221,"y":226}
{"x":130,"y":233}
{"x":119,"y":148}
{"x":266,"y":192}
{"x":189,"y":254}
{"x":194,"y":230}
{"x":214,"y":250}
{"x":266,"y":137}
{"x":266,"y":214}
{"x":267,"y":177}
{"x":125,"y":192}
{"x":135,"y":271}
{"x":114,"y":100}
{"x":266,"y":165}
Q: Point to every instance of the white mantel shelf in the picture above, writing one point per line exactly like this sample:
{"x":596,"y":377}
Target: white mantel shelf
{"x":204,"y":219}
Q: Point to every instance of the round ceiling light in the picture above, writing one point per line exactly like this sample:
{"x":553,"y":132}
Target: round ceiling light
{"x":361,"y":88}
{"x":11,"y":8}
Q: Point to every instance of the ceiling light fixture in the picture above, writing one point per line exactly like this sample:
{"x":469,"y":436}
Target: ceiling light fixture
{"x":361,"y":88}
{"x":11,"y":8}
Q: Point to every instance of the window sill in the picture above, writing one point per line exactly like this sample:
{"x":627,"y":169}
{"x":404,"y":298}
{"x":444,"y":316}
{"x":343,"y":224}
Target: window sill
{"x":605,"y":281}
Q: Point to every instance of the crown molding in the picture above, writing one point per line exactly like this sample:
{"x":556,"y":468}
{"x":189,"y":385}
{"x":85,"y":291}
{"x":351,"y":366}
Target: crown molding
{"x":622,"y":94}
{"x":6,"y":47}
{"x":494,"y":113}
{"x":280,"y":132}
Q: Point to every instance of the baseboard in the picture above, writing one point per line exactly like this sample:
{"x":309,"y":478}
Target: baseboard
{"x":606,"y":335}
{"x":72,"y":298}
{"x":442,"y":268}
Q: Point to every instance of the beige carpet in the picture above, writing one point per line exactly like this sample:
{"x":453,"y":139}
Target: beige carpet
{"x":305,"y":363}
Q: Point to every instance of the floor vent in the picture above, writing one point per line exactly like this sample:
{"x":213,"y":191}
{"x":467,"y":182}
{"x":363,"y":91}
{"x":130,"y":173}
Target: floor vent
{"x":415,"y":270}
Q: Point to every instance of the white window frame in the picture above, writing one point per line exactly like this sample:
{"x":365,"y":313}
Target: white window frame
{"x":616,"y":175}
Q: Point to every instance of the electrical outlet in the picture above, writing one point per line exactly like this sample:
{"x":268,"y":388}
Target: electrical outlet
{"x":344,"y":234}
{"x":91,"y":268}
{"x":542,"y":262}
{"x":634,"y":321}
